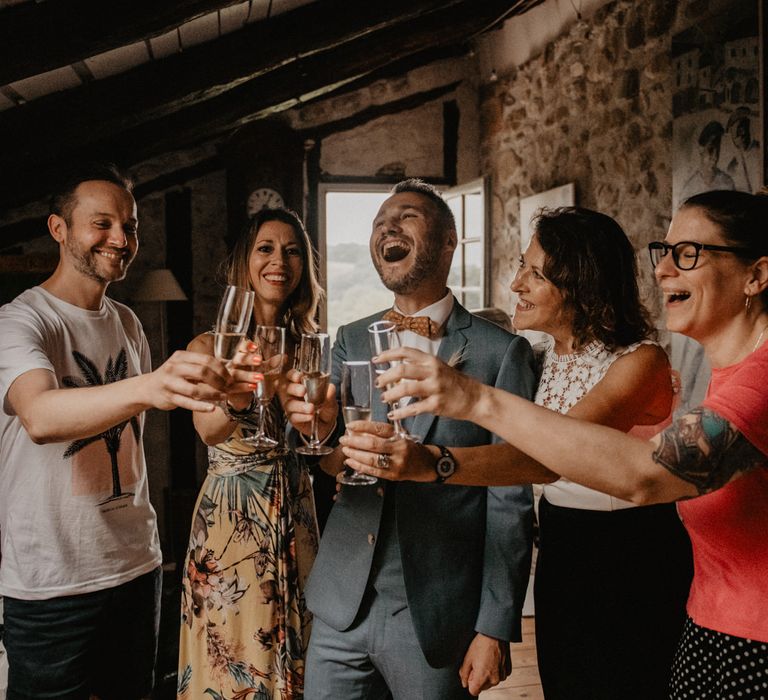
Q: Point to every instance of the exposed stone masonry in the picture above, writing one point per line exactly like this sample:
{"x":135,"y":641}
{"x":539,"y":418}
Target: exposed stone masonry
{"x":595,"y":109}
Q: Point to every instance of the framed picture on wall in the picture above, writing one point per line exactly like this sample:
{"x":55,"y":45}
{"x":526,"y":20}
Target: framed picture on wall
{"x":717,"y":128}
{"x":564,"y":196}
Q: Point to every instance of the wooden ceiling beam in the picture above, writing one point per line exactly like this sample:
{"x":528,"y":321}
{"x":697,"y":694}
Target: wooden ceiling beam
{"x":203,"y":72}
{"x":36,"y":37}
{"x":292,"y":83}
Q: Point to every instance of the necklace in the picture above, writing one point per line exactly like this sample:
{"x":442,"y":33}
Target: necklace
{"x":760,"y":337}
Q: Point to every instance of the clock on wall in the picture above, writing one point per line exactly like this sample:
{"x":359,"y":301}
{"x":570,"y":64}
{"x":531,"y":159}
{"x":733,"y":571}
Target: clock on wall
{"x":264,"y":168}
{"x":261,"y":198}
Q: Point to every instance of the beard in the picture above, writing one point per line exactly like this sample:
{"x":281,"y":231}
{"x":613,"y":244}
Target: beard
{"x":425,"y":264}
{"x":86,"y":262}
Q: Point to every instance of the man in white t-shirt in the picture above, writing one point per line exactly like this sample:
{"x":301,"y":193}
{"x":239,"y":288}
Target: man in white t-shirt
{"x":80,"y":562}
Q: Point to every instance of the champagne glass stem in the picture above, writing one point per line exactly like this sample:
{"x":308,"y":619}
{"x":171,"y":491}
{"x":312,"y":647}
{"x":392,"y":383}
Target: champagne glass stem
{"x":313,"y":440}
{"x":261,"y":417}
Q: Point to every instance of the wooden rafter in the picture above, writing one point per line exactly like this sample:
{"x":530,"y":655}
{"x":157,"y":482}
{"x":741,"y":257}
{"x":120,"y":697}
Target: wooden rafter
{"x":36,"y":37}
{"x":367,"y":39}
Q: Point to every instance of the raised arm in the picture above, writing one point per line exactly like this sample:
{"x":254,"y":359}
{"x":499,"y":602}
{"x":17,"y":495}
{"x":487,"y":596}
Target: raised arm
{"x":697,"y":454}
{"x":636,"y":389}
{"x":50,"y":414}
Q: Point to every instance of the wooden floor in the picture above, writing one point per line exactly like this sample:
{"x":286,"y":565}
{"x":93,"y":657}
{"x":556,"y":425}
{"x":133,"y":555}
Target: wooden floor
{"x":524,"y":681}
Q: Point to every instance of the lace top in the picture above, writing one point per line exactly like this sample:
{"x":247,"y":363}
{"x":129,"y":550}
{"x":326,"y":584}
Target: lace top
{"x":565,"y":379}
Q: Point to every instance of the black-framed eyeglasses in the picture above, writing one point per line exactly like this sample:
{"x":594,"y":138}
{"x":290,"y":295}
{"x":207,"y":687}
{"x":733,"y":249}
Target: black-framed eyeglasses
{"x":685,"y":254}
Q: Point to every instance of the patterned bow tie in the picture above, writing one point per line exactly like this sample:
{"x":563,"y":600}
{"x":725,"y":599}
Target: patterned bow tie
{"x":421,"y":325}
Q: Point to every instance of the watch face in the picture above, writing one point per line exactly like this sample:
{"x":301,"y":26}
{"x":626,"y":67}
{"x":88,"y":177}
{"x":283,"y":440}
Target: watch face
{"x":261,"y":198}
{"x":445,"y":467}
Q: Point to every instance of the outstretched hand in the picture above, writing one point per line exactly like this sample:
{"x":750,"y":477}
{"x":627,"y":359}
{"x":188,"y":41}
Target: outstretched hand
{"x":299,"y":412}
{"x":441,"y":389}
{"x":406,"y":460}
{"x":189,"y":380}
{"x":245,"y":373}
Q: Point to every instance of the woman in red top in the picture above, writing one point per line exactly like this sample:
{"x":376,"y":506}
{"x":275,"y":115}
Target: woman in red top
{"x":713,"y":272}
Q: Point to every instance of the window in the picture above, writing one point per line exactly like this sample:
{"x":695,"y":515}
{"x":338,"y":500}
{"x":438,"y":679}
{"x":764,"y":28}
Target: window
{"x":468,"y":278}
{"x":352,"y":284}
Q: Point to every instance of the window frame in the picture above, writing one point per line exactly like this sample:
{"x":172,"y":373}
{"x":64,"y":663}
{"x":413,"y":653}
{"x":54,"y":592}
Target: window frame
{"x":480,"y":186}
{"x":323,"y":189}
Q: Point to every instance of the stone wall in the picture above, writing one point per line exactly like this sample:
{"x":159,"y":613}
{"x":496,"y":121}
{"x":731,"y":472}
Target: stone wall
{"x":595,"y":108}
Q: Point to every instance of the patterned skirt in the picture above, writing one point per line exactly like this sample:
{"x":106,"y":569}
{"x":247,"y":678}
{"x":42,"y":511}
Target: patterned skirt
{"x":244,"y":622}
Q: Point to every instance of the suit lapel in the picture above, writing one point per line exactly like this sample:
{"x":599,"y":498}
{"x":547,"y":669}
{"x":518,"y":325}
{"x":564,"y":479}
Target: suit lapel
{"x":453,"y":344}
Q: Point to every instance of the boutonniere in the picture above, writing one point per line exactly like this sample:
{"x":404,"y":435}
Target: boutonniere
{"x":457,"y":358}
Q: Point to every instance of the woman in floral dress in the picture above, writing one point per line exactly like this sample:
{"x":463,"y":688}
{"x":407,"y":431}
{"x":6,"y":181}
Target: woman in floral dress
{"x":244,"y":623}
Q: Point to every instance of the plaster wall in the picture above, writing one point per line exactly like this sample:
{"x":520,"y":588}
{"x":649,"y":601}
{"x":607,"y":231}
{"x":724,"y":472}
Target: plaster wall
{"x":404,"y":144}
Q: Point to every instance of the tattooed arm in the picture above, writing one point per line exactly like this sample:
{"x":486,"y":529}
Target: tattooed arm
{"x":705,"y":450}
{"x":673,"y":466}
{"x":698,"y":454}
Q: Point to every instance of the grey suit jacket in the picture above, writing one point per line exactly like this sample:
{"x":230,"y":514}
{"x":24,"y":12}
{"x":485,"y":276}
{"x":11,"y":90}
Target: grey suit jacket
{"x":465,"y":550}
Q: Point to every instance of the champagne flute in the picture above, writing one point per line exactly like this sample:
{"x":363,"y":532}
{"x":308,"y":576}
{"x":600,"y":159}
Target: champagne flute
{"x":356,"y":394}
{"x":314,"y":363}
{"x":232,"y":321}
{"x":383,"y":336}
{"x":271,"y":342}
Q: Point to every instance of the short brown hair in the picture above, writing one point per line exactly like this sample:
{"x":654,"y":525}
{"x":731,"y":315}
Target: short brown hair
{"x":63,"y":198}
{"x":444,"y":213}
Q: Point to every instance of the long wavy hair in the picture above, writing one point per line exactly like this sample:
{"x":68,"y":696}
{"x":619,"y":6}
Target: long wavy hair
{"x":589,"y":258}
{"x":298,"y":315}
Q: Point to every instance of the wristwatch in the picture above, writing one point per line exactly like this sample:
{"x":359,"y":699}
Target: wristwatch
{"x":445,"y":467}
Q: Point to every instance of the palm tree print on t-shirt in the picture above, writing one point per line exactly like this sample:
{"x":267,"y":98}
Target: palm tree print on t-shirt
{"x":114,"y":372}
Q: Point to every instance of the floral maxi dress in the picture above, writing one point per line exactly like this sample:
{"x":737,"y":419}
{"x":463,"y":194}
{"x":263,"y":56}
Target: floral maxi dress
{"x":244,"y":623}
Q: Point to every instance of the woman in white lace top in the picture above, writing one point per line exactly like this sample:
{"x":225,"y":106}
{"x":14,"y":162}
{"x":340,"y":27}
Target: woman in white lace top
{"x":611,"y":578}
{"x":607,"y":570}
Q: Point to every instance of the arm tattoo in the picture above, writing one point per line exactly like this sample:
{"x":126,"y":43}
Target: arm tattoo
{"x":705,"y":450}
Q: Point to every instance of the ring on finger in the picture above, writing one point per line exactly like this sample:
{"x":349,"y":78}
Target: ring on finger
{"x":382,"y":461}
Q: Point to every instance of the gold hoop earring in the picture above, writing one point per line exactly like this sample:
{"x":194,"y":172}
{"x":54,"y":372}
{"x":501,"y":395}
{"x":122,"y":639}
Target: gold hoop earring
{"x":747,"y":303}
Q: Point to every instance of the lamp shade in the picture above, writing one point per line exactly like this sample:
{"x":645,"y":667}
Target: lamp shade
{"x":159,"y":285}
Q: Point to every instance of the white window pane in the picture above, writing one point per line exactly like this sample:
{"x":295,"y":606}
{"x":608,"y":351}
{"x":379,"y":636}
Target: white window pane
{"x":455,"y":204}
{"x":454,"y":275}
{"x":473,"y":264}
{"x":475,"y":217}
{"x":473,"y":299}
{"x":353,"y":286}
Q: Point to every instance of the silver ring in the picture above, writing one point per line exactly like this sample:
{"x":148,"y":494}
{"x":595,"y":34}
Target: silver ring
{"x":382,"y":461}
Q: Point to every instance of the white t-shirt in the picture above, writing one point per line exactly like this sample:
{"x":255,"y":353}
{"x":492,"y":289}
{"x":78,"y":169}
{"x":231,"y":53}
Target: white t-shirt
{"x":67,"y":526}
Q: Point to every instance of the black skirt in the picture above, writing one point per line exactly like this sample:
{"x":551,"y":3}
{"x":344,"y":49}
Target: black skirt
{"x":610,"y":593}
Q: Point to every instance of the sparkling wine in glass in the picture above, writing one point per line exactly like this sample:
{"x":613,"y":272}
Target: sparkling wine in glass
{"x":271,"y":342}
{"x":383,"y":336}
{"x":232,"y":321}
{"x":314,"y":363}
{"x":356,"y":395}
{"x":231,"y":325}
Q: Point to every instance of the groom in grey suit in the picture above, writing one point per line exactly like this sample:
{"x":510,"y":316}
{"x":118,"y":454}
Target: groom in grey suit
{"x":414,"y":581}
